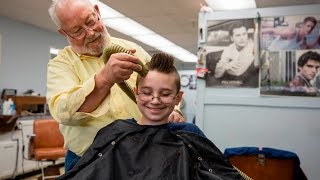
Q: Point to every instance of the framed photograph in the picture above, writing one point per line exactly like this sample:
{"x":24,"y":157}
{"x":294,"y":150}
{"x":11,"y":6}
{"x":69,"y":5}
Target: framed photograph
{"x":290,"y":33}
{"x":229,"y":54}
{"x":290,"y":55}
{"x":290,"y":73}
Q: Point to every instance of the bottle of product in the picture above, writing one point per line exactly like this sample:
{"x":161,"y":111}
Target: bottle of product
{"x":12,"y":108}
{"x":9,"y":107}
{"x":5,"y":107}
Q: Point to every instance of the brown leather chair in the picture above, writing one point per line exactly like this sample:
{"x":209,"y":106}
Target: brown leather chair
{"x":46,"y":144}
{"x":266,"y":163}
{"x":262,"y":168}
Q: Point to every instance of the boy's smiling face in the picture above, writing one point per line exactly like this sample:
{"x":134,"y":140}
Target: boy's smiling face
{"x":156,"y":97}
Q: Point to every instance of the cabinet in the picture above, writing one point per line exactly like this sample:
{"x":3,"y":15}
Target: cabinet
{"x":8,"y":156}
{"x":22,"y":102}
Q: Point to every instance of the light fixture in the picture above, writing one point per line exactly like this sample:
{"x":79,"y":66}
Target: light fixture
{"x":127,"y":26}
{"x":154,"y":40}
{"x":117,"y":21}
{"x":220,"y":5}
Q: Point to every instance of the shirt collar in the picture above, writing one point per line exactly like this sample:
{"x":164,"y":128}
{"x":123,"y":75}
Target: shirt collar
{"x":87,"y":57}
{"x":306,"y":81}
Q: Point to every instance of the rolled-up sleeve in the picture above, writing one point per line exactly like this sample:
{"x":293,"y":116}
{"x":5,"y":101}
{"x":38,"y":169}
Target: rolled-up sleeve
{"x":66,"y":91}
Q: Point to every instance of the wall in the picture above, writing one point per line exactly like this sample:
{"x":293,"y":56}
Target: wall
{"x":241,"y":117}
{"x":189,"y":95}
{"x":184,"y":65}
{"x":24,"y":55}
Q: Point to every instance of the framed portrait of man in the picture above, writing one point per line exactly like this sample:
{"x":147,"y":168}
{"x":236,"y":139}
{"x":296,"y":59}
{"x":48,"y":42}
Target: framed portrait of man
{"x":230,"y":54}
{"x":290,"y":73}
{"x":290,"y":55}
{"x":290,"y":33}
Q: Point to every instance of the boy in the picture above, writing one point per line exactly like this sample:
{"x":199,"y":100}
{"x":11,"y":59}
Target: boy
{"x":159,"y":92}
{"x":150,"y":147}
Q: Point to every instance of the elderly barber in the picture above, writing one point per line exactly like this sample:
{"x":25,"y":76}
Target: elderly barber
{"x":81,"y":89}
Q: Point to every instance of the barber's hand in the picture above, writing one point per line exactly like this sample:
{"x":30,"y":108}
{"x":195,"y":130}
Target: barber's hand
{"x":175,"y":117}
{"x":119,"y":68}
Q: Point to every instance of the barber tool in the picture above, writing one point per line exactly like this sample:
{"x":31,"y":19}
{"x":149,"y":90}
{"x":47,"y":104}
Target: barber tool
{"x":126,"y":88}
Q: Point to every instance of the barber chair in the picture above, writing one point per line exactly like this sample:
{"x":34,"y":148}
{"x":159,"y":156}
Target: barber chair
{"x":46,"y":145}
{"x":265,"y":163}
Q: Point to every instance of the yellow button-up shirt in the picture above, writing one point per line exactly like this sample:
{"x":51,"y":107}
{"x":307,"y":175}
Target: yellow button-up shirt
{"x":70,"y":79}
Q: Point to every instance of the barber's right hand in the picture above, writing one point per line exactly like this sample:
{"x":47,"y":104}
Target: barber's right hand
{"x":118,"y":68}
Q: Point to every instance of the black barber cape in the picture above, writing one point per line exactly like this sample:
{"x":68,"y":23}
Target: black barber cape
{"x":128,"y":151}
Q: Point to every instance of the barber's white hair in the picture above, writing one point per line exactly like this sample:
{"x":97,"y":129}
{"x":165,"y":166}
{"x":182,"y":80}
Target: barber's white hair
{"x":53,"y":9}
{"x":53,"y":14}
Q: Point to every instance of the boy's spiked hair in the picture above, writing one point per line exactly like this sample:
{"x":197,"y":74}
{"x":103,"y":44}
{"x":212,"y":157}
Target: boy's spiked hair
{"x":163,"y":63}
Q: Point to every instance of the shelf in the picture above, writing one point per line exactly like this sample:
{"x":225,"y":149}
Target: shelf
{"x":23,"y":101}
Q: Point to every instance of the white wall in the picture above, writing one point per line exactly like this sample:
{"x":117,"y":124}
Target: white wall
{"x":241,"y":117}
{"x":189,"y":96}
{"x":24,"y":55}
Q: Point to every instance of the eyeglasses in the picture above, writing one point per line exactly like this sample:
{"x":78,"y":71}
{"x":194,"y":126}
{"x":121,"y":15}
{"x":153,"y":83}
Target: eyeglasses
{"x":164,"y":98}
{"x":92,"y":24}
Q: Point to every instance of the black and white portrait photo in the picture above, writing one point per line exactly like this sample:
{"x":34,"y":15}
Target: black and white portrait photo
{"x":230,"y":54}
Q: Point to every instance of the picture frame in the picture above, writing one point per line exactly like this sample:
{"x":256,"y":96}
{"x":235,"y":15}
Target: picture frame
{"x":283,"y":41}
{"x":229,"y":55}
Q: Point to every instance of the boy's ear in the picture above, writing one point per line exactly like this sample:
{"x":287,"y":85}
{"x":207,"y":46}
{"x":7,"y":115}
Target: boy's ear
{"x":179,"y":97}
